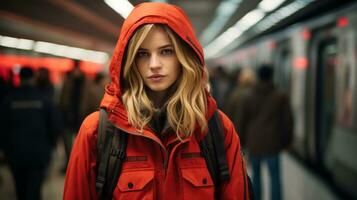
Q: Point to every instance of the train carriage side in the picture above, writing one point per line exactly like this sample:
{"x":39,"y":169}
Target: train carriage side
{"x":340,"y":159}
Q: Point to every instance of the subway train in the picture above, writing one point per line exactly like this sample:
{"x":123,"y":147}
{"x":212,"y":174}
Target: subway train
{"x":315,"y":62}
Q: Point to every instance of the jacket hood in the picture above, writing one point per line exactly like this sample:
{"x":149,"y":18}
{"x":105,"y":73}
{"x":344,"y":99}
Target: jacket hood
{"x":151,"y":13}
{"x":148,"y":13}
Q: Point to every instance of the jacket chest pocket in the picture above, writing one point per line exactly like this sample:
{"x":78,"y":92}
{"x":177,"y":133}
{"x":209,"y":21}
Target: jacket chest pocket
{"x":197,"y":184}
{"x":135,"y":185}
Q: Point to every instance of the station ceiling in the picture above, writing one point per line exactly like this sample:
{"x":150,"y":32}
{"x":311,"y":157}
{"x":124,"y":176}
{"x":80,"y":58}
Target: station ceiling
{"x":91,"y":24}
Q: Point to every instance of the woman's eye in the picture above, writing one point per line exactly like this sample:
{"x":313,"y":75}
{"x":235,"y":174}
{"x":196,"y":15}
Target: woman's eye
{"x":142,"y":54}
{"x":167,"y":51}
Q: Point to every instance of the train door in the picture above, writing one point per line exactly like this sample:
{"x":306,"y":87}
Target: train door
{"x":323,"y":67}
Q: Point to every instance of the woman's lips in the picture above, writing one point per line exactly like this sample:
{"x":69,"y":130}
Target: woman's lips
{"x":156,"y":77}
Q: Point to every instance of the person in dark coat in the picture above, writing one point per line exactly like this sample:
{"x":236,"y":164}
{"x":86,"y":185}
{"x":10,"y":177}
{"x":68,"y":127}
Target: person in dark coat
{"x":29,"y":131}
{"x":93,"y":94}
{"x":44,"y":83}
{"x":266,"y":124}
{"x":69,"y":104}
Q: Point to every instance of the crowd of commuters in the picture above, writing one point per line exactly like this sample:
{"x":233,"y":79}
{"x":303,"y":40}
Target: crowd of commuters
{"x":33,"y":121}
{"x":30,"y":126}
{"x":262,"y":116}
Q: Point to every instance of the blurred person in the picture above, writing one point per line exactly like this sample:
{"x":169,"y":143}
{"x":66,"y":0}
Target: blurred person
{"x":93,"y":94}
{"x":222,"y":80}
{"x":266,"y":124}
{"x":44,"y":84}
{"x":220,"y":84}
{"x":245,"y":80}
{"x":6,"y":86}
{"x":158,"y":99}
{"x":3,"y":88}
{"x":29,"y":129}
{"x":6,"y":83}
{"x":69,"y":104}
{"x":232,"y":86}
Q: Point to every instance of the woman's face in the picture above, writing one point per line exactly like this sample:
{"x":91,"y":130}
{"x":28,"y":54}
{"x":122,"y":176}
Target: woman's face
{"x":157,"y":61}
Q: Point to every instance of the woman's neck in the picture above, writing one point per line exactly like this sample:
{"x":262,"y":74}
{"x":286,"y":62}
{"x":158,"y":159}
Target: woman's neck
{"x":158,"y":98}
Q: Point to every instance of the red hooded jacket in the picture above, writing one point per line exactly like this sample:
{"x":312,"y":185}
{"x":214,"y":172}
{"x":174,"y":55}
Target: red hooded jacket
{"x":153,"y":169}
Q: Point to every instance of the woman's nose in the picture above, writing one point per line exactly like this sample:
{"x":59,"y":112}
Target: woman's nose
{"x":155,"y":61}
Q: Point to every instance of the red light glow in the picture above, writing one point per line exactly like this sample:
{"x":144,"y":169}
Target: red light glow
{"x":301,"y":63}
{"x":342,"y":22}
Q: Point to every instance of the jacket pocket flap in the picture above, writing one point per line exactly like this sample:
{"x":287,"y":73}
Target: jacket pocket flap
{"x":134,"y":180}
{"x":198,"y":177}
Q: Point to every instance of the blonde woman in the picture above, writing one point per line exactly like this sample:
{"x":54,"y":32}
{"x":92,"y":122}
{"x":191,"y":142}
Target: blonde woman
{"x":157,"y":96}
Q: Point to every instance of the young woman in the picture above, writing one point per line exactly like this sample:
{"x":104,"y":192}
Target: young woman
{"x":158,"y":96}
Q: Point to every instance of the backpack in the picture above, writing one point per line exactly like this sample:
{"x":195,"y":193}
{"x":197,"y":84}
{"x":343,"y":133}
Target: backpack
{"x":112,"y":142}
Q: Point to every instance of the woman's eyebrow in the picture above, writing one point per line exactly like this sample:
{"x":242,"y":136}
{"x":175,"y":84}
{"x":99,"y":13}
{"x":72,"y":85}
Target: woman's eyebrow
{"x":161,"y":47}
{"x":165,"y":46}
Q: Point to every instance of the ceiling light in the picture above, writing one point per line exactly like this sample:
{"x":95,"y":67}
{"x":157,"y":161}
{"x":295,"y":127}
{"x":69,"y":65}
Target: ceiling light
{"x":123,"y":7}
{"x":55,"y":49}
{"x":16,"y":43}
{"x":71,"y":52}
{"x":254,"y":18}
{"x":224,"y":12}
{"x":269,"y":5}
{"x":25,"y":44}
{"x":43,"y":47}
{"x":250,"y":19}
{"x":9,"y":42}
{"x":223,"y":40}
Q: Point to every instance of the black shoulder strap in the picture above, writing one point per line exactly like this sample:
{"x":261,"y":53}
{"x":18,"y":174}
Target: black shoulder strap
{"x":215,"y":153}
{"x":111,"y":144}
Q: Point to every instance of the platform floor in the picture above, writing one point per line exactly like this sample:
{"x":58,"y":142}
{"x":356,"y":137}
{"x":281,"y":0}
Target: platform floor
{"x":298,"y":183}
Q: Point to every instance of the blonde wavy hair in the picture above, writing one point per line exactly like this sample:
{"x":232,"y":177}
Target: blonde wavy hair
{"x":186,"y":107}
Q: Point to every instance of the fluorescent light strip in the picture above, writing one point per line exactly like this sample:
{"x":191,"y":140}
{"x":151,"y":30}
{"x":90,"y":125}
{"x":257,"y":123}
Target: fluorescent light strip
{"x":280,"y":14}
{"x":16,"y":43}
{"x":250,"y":19}
{"x":54,"y":49}
{"x":227,"y":37}
{"x":223,"y":40}
{"x":123,"y":7}
{"x":25,"y":44}
{"x":9,"y":42}
{"x":224,"y":12}
{"x":268,"y":6}
{"x":71,"y":52}
{"x":255,"y":16}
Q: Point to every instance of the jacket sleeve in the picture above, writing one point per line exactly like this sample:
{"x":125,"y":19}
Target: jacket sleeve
{"x":237,"y":187}
{"x":81,"y":170}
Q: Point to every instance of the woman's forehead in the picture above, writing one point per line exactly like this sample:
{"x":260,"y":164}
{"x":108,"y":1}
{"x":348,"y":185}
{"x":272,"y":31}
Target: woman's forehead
{"x":156,"y":38}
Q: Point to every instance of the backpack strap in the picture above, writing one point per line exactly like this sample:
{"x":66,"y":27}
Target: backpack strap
{"x":111,"y":144}
{"x":214,"y":152}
